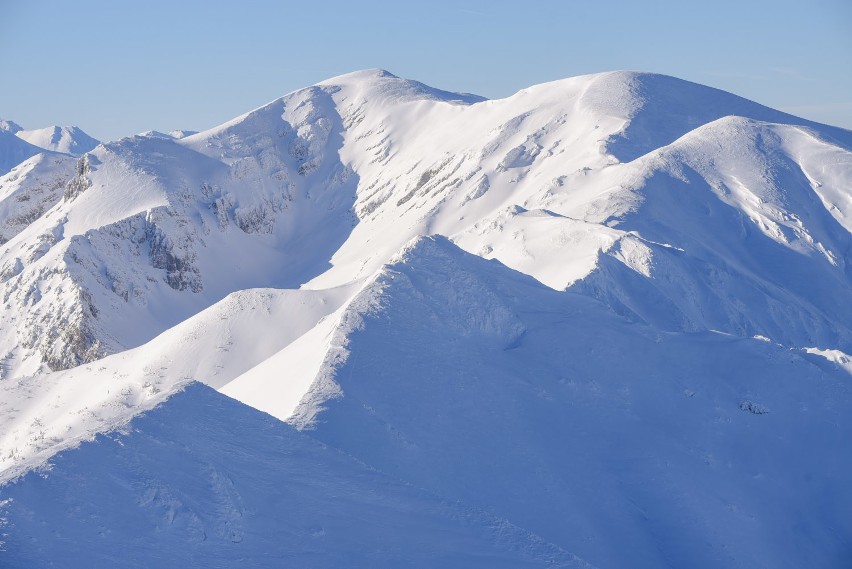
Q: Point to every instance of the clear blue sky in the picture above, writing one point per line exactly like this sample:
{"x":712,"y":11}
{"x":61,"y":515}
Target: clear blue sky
{"x":117,"y":67}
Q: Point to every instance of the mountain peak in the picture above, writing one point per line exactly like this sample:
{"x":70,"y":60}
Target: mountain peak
{"x":659,"y":109}
{"x":10,"y":126}
{"x":384,"y":85}
{"x":359,"y":75}
{"x":66,"y":139}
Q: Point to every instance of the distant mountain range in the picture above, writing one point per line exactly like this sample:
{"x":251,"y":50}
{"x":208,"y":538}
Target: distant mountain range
{"x":17,"y":144}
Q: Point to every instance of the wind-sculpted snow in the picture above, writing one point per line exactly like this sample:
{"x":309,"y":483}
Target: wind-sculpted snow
{"x":633,"y":308}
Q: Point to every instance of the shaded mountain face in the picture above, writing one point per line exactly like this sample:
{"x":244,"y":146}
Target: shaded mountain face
{"x":227,"y":499}
{"x":10,"y":126}
{"x":13,"y":150}
{"x":607,"y":309}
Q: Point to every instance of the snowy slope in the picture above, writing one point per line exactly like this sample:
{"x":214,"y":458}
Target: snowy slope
{"x":66,"y":139}
{"x":594,"y":430}
{"x":241,"y":489}
{"x":699,"y":450}
{"x":13,"y":151}
{"x":181,"y":133}
{"x":41,"y":413}
{"x":736,"y":235}
{"x":668,"y":323}
{"x":32,"y":188}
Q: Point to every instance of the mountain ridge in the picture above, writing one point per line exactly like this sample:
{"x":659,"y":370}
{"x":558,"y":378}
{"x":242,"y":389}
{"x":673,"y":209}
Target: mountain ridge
{"x":611,"y":285}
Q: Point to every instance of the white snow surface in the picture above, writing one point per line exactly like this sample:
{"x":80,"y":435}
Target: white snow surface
{"x":13,"y":150}
{"x":66,"y":139}
{"x":244,"y":490}
{"x":613,"y":311}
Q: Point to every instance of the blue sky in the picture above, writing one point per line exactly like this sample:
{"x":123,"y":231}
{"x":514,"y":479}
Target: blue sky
{"x":117,"y":67}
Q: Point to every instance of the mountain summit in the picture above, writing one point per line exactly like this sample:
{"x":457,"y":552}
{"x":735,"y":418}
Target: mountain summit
{"x":67,"y":139}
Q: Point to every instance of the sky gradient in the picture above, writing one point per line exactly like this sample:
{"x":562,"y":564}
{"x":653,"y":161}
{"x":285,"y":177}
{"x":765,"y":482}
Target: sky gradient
{"x":118,"y":68}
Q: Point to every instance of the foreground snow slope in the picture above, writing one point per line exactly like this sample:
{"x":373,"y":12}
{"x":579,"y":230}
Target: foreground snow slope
{"x":204,"y":481}
{"x":477,"y":384}
{"x":40,"y":414}
{"x":685,"y":449}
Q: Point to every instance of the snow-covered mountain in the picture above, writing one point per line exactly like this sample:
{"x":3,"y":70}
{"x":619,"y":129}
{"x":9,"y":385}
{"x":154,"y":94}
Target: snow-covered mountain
{"x":10,"y":126}
{"x":66,"y":139}
{"x":13,"y":150}
{"x":612,"y":311}
{"x":17,"y":144}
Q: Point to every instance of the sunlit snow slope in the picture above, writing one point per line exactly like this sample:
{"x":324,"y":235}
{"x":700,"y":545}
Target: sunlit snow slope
{"x":66,"y":139}
{"x":628,"y":332}
{"x":17,"y":144}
